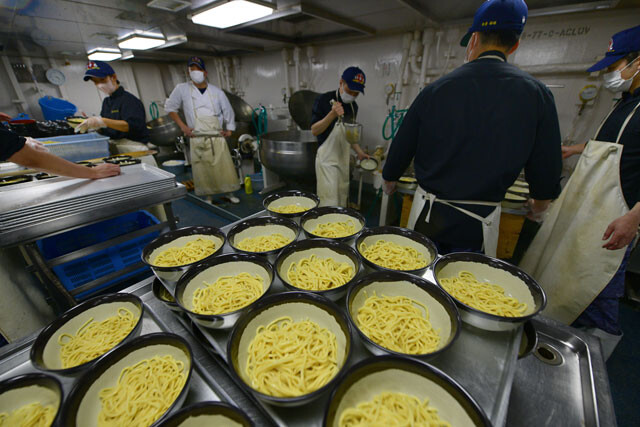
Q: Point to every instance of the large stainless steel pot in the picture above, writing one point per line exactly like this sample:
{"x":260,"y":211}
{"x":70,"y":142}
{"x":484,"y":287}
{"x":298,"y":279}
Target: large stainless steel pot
{"x":164,"y":131}
{"x":290,"y":154}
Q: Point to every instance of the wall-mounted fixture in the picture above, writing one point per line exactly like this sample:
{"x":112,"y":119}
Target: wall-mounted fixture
{"x":229,"y":13}
{"x":127,"y":54}
{"x":104,"y":54}
{"x":137,"y":41}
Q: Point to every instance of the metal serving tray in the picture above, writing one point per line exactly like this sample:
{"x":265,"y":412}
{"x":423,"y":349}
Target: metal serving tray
{"x":483,"y":362}
{"x":208,"y":381}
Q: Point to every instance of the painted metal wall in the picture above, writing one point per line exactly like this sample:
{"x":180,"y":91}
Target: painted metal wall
{"x":553,"y":42}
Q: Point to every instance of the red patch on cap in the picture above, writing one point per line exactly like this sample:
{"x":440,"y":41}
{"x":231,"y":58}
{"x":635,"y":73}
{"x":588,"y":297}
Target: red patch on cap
{"x":359,"y":78}
{"x":92,"y":66}
{"x":610,"y":45}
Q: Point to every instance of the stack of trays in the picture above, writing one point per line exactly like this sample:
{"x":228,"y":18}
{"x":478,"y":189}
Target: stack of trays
{"x":31,"y":203}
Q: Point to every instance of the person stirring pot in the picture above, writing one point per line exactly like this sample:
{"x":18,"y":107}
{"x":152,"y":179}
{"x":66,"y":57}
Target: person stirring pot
{"x":332,"y":159}
{"x":579,"y":255}
{"x":208,"y":112}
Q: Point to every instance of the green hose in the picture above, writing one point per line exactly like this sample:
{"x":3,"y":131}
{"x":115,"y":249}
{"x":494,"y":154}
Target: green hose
{"x":154,"y":112}
{"x":260,"y":122}
{"x":396,"y":117}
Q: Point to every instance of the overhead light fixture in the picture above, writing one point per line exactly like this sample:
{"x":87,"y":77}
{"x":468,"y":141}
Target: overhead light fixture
{"x":140,"y":42}
{"x":104,"y":54}
{"x":230,"y":13}
{"x":127,"y":54}
{"x":573,"y":8}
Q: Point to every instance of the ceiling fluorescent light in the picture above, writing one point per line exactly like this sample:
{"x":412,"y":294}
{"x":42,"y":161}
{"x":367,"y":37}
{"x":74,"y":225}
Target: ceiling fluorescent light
{"x":104,"y":54}
{"x":127,"y":54}
{"x":231,"y":13}
{"x":573,"y":8}
{"x":140,"y":42}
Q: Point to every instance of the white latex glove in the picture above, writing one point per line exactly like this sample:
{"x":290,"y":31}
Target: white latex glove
{"x":91,"y":123}
{"x":389,"y":187}
{"x":36,"y":145}
{"x":534,"y":214}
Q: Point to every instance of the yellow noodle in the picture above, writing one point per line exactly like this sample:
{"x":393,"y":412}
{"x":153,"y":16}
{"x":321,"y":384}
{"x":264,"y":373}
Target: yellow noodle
{"x":30,"y":415}
{"x":165,"y":295}
{"x":317,"y":274}
{"x":193,"y":251}
{"x":392,"y":409}
{"x":94,"y":339}
{"x":227,"y":294}
{"x":398,"y":323}
{"x":288,"y":359}
{"x":393,"y":256}
{"x":263,"y":243}
{"x":288,"y":209}
{"x":143,"y":393}
{"x":483,"y":296}
{"x":335,"y":229}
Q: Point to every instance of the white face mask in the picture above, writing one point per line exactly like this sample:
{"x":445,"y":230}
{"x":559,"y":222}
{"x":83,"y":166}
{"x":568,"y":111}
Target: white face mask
{"x":197,"y":76}
{"x":614,"y":81}
{"x":109,"y":87}
{"x":346,"y":97}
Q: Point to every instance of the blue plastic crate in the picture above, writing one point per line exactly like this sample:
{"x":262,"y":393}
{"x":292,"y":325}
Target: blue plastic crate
{"x":76,"y":273}
{"x":78,"y":147}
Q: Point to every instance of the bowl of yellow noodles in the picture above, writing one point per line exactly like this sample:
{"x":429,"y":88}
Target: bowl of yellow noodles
{"x":324,"y":267}
{"x":30,"y":399}
{"x":332,"y":222}
{"x":216,"y":414}
{"x":491,"y":294}
{"x":171,"y":254}
{"x":389,"y":248}
{"x":394,"y":390}
{"x":290,"y":348}
{"x":215,"y":293}
{"x":402,"y":314}
{"x":118,"y":392}
{"x":264,"y":235}
{"x":77,"y":339}
{"x":290,"y":204}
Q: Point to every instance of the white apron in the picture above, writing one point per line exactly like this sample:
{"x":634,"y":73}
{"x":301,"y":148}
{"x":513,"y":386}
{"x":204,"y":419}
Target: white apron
{"x":490,"y":224}
{"x":213,"y":169}
{"x":332,"y":167}
{"x":566,"y":256}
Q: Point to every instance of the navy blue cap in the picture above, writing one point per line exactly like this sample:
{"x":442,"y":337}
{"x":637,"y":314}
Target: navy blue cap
{"x":355,"y":78}
{"x":196,"y":60}
{"x":498,"y":15}
{"x":620,"y":45}
{"x":98,"y":69}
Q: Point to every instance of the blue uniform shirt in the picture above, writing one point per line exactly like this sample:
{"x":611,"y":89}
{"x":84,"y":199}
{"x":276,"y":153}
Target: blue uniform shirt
{"x":121,"y":105}
{"x":630,"y":160}
{"x":321,"y":108}
{"x":470,"y":134}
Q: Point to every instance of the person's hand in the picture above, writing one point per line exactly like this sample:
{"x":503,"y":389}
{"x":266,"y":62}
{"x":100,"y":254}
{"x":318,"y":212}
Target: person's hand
{"x":389,"y":187}
{"x":362,"y":155}
{"x":621,"y":232}
{"x":4,"y":117}
{"x":36,"y":145}
{"x":105,"y":170}
{"x":91,"y":123}
{"x":571,"y":150}
{"x":226,"y":133}
{"x":187,"y":131}
{"x":337,"y":109}
{"x":537,"y":209}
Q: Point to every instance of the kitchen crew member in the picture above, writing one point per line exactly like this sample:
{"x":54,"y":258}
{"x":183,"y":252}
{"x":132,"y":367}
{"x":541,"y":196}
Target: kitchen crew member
{"x":33,"y":154}
{"x":209,"y":112}
{"x":122,"y":117}
{"x":579,"y":256}
{"x":332,"y":159}
{"x":472,"y":131}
